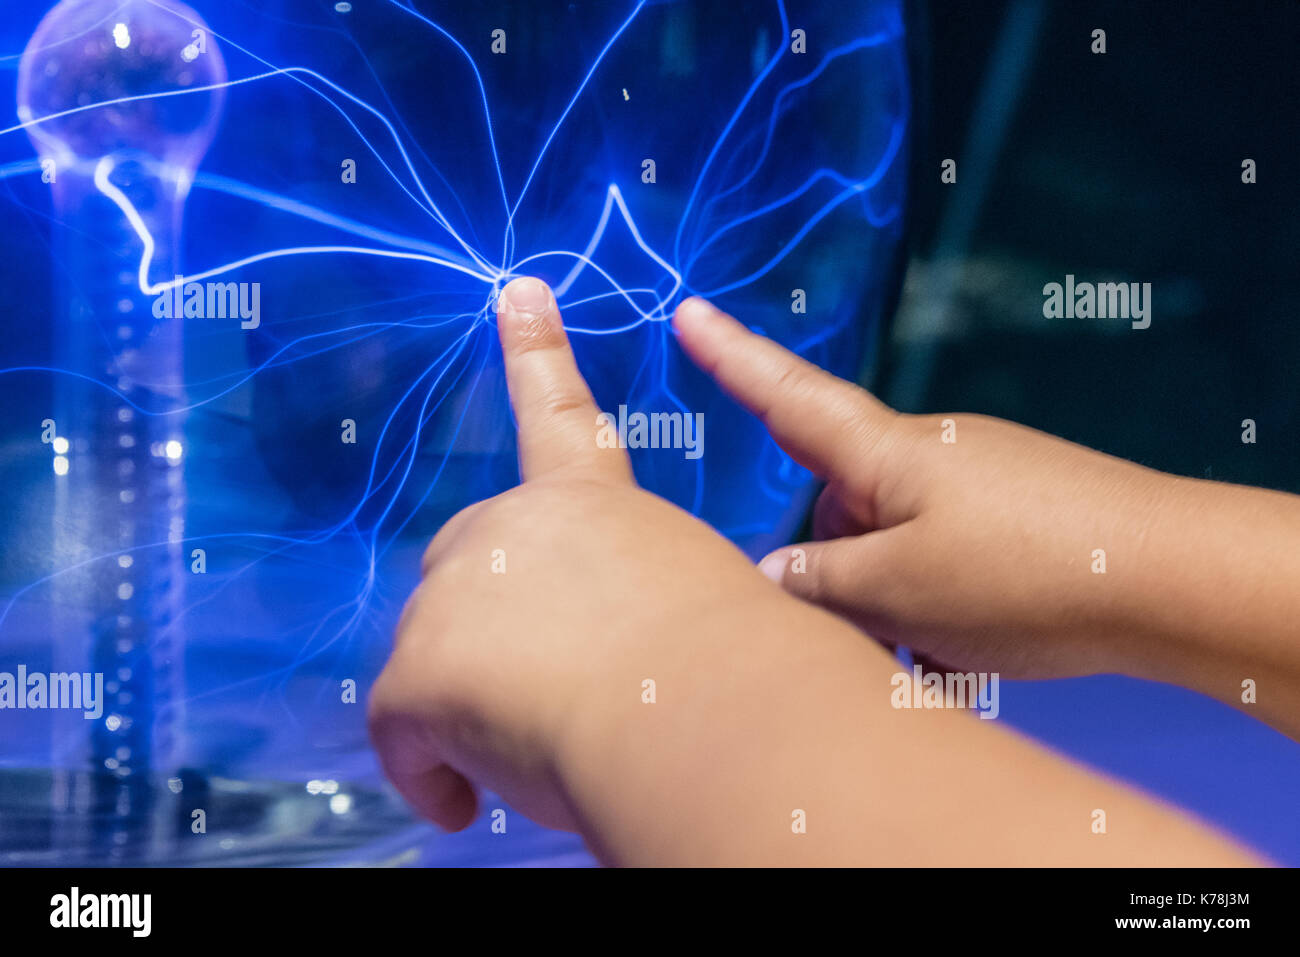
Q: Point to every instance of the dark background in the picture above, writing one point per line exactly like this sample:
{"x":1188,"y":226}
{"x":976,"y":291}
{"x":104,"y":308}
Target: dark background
{"x":1123,"y":166}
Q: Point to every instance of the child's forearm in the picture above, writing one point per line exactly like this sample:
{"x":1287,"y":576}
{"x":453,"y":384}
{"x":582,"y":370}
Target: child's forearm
{"x":784,"y":717}
{"x":1214,"y":596}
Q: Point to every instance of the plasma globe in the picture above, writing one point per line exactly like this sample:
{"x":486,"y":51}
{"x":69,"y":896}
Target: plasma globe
{"x":276,"y":233}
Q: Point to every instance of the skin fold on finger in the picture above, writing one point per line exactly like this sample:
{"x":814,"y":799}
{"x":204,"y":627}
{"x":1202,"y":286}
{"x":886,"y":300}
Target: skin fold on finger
{"x":408,"y":755}
{"x":440,"y":794}
{"x":837,"y":515}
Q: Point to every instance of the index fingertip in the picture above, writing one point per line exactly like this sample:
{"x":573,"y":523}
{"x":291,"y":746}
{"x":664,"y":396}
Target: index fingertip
{"x":693,"y":312}
{"x":526,"y":310}
{"x":703,"y":330}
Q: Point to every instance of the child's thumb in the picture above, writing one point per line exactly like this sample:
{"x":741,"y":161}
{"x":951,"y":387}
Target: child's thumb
{"x":846,"y":576}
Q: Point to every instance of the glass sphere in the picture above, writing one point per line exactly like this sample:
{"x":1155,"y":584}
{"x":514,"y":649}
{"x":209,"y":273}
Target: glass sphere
{"x":97,"y":58}
{"x":751,"y":152}
{"x":375,"y":200}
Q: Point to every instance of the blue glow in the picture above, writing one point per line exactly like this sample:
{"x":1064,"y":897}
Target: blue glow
{"x":776,"y":170}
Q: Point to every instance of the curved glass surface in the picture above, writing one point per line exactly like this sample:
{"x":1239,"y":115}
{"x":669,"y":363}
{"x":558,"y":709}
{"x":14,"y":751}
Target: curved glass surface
{"x":253,"y":252}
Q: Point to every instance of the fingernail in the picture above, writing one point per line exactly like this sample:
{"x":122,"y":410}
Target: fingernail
{"x":527,"y":296}
{"x":697,"y":307}
{"x":773,"y":566}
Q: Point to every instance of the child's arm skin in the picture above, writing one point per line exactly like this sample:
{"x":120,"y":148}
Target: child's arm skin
{"x":529,"y":683}
{"x":979,"y":553}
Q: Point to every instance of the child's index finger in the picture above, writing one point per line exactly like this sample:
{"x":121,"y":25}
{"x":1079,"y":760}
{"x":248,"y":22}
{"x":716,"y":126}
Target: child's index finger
{"x":556,"y":414}
{"x":826,"y":424}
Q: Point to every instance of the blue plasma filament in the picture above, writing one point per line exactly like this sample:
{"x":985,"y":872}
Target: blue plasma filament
{"x":334,"y":384}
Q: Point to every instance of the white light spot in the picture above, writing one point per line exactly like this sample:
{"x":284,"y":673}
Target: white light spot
{"x":316,"y":786}
{"x":60,"y":465}
{"x":113,"y":722}
{"x":343,"y":7}
{"x":121,"y":36}
{"x":125,"y":591}
{"x":173,"y":450}
{"x":60,"y":445}
{"x":125,"y":561}
{"x":341,"y":803}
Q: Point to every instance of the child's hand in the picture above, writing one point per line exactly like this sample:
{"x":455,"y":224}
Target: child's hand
{"x":542,"y":610}
{"x":984,"y":545}
{"x":520,"y":663}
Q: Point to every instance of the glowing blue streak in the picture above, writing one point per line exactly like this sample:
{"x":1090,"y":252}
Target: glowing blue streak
{"x":726,"y":131}
{"x":569,"y":108}
{"x":105,"y":167}
{"x":872,"y":41}
{"x":487,"y":113}
{"x":285,"y":204}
